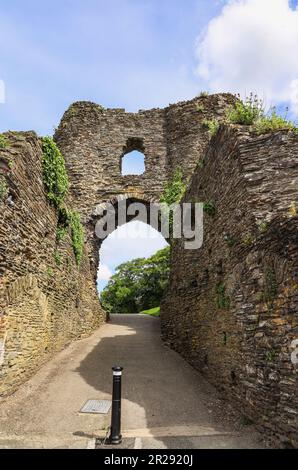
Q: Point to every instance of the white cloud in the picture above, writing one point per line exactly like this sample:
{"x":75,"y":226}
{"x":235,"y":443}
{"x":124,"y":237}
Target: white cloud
{"x":2,"y":92}
{"x":104,"y":273}
{"x":252,"y":46}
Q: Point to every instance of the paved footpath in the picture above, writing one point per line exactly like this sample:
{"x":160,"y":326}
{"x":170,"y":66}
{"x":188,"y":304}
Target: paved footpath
{"x":166,"y":403}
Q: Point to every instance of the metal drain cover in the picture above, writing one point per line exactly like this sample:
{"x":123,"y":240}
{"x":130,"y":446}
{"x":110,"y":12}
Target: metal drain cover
{"x":101,"y":407}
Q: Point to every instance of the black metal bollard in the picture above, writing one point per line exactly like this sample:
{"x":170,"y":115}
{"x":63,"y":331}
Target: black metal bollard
{"x":115,"y":437}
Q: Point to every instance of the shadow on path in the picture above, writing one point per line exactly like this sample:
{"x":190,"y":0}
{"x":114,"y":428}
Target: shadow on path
{"x":159,"y":388}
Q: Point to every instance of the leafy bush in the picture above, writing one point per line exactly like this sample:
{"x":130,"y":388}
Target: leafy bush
{"x":54,"y":172}
{"x":212,"y":126}
{"x":251,"y":112}
{"x":272,"y":122}
{"x":204,"y":94}
{"x":247,"y":112}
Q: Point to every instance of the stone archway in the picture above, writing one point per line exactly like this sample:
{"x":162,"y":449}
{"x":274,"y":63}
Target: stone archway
{"x":110,"y":208}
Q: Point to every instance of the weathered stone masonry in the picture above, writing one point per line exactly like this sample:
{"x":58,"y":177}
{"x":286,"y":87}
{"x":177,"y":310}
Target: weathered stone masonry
{"x":93,"y":141}
{"x":43,"y":307}
{"x":231,"y":309}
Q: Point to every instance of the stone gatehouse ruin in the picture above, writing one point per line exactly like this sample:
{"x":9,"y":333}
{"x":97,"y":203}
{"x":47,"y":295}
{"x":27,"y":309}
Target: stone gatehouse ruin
{"x":231,"y":308}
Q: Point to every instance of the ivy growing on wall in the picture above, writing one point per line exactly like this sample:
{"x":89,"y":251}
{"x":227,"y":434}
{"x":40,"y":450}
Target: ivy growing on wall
{"x":174,"y":189}
{"x":54,"y":172}
{"x":57,"y":258}
{"x":222,"y":300}
{"x":173,"y":193}
{"x":71,"y":220}
{"x":56,"y":181}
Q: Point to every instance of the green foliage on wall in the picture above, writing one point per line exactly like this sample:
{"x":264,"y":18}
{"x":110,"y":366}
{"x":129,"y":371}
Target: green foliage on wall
{"x":71,"y":220}
{"x":251,"y":112}
{"x":138,"y":285}
{"x":57,"y":258}
{"x":3,"y":142}
{"x":61,"y":233}
{"x":246,"y":112}
{"x":209,"y":208}
{"x":271,"y":356}
{"x":263,"y":227}
{"x":222,"y":300}
{"x":50,"y":272}
{"x":248,"y":240}
{"x":54,"y":172}
{"x":230,"y":240}
{"x":273,"y":122}
{"x":56,"y":181}
{"x":212,"y":126}
{"x":174,"y":189}
{"x":204,"y":94}
{"x":200,"y":164}
{"x":77,"y":236}
{"x":173,"y":193}
{"x":200,"y":108}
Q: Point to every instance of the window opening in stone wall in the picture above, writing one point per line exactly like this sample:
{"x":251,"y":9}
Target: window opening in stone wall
{"x":133,"y":163}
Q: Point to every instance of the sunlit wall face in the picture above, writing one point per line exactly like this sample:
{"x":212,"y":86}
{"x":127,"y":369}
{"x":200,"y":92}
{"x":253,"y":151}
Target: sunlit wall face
{"x":131,"y":241}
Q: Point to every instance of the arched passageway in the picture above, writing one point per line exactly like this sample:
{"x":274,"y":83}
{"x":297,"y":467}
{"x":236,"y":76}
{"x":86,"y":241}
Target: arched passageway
{"x":131,"y":241}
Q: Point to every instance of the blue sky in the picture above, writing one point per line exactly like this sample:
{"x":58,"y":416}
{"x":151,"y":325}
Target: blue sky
{"x":140,"y":54}
{"x":119,"y":53}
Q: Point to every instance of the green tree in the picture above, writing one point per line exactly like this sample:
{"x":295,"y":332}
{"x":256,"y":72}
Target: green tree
{"x":138,"y":285}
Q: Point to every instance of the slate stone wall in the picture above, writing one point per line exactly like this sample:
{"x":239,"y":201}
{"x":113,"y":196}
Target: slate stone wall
{"x":231,"y":309}
{"x":43,"y":306}
{"x":93,"y":141}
